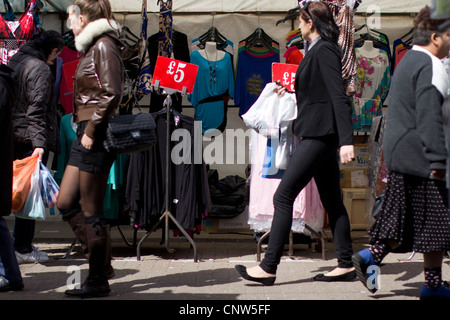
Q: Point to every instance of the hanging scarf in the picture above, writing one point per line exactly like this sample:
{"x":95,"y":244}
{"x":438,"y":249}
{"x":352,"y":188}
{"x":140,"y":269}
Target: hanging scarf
{"x":144,"y":81}
{"x":165,"y":48}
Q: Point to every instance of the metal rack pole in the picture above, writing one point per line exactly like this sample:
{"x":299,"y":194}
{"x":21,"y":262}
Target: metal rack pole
{"x":319,"y":235}
{"x":167,"y":215}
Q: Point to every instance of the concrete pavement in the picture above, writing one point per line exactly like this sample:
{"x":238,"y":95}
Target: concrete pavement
{"x":161,"y":275}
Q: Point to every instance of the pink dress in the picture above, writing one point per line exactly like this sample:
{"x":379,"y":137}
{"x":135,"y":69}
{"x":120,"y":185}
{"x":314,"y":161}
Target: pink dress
{"x":308,"y":207}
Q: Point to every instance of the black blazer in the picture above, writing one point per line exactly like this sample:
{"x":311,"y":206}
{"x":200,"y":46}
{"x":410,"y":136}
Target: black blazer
{"x":323,"y":105}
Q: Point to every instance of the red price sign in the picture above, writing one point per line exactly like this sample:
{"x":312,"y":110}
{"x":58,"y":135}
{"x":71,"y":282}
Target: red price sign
{"x":285,"y":73}
{"x":174,"y":74}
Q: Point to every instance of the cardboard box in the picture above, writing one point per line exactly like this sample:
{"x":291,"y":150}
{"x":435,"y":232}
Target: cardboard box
{"x":236,"y":224}
{"x":354,"y":178}
{"x":362,"y":158}
{"x":355,"y":201}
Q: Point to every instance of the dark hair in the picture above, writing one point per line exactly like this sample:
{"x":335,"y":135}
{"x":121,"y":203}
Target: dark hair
{"x":322,"y":18}
{"x":425,"y":26}
{"x":95,"y":9}
{"x":48,"y":40}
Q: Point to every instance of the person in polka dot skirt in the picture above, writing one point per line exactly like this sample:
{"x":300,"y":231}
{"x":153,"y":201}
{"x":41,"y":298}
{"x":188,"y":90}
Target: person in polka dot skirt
{"x":415,"y":214}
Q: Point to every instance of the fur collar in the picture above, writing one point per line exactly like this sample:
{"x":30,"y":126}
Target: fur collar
{"x":92,"y":30}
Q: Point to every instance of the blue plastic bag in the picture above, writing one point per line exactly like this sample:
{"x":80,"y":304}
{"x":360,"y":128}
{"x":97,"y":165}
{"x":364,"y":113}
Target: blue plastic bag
{"x":49,"y":187}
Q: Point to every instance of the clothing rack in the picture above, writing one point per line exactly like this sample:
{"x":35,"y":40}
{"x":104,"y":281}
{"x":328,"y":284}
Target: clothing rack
{"x":167,"y":215}
{"x":128,"y":243}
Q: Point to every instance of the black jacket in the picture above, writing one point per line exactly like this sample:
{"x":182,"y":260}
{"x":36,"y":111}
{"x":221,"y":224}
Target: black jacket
{"x":323,"y":106}
{"x":34,"y":113}
{"x":7,"y":86}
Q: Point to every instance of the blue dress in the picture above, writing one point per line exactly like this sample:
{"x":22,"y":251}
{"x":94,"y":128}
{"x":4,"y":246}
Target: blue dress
{"x":215,"y":81}
{"x":253,"y":73}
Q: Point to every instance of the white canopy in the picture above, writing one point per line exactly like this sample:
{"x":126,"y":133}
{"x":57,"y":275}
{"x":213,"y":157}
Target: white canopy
{"x":236,"y":6}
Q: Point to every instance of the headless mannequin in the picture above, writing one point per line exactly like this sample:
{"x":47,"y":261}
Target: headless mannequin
{"x":211,"y":53}
{"x":368,"y":50}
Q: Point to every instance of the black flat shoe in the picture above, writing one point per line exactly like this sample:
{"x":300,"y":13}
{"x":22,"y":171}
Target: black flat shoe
{"x":268,"y":281}
{"x":349,"y":276}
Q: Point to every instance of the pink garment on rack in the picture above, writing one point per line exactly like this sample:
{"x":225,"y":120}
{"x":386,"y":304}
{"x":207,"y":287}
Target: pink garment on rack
{"x":70,"y":62}
{"x":293,"y":55}
{"x":308,"y":207}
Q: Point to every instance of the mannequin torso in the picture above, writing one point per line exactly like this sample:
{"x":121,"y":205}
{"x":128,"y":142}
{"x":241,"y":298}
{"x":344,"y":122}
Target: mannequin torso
{"x":368,"y":50}
{"x":211,"y":53}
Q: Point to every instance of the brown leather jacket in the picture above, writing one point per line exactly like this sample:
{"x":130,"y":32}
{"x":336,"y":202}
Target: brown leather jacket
{"x":99,"y":79}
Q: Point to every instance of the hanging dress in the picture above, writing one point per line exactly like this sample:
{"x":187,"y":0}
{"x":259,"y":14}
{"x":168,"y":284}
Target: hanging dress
{"x":213,"y":86}
{"x":373,"y":82}
{"x":13,"y":34}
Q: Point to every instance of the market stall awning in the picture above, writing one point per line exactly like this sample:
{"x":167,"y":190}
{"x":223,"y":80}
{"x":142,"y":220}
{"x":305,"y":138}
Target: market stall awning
{"x":238,"y":6}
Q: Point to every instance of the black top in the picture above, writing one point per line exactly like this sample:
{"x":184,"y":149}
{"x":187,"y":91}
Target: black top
{"x":323,"y":106}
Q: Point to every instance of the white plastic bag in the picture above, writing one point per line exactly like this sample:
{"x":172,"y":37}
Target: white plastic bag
{"x":34,"y":206}
{"x":269,"y":113}
{"x":272,"y":117}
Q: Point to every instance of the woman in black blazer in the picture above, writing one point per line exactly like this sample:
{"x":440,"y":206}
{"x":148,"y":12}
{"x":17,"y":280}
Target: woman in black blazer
{"x":323,"y":125}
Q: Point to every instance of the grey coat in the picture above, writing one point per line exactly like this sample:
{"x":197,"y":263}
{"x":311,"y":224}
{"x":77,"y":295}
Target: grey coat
{"x":414,"y":140}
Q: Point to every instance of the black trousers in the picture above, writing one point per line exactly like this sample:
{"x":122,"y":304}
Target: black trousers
{"x":313,"y":158}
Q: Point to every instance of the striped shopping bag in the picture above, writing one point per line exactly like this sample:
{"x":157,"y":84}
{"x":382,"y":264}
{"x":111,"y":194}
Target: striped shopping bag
{"x":49,"y":187}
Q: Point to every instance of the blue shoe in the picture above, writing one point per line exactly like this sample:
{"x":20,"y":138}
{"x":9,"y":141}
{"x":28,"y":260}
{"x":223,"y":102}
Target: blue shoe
{"x":440,"y":293}
{"x":362,"y":261}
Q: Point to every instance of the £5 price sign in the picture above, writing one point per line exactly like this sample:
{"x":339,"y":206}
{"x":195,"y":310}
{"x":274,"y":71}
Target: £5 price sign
{"x":174,"y":74}
{"x":285,"y":73}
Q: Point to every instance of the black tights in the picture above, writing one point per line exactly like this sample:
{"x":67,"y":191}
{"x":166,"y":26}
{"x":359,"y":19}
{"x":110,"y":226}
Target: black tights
{"x":313,"y":158}
{"x":82,"y":190}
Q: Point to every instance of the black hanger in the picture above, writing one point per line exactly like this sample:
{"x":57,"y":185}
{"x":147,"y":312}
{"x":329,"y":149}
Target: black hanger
{"x":369,"y":35}
{"x":408,"y":42}
{"x":360,"y":27}
{"x":212,"y":35}
{"x":259,"y":38}
{"x":128,"y":31}
{"x":407,"y":34}
{"x":125,"y":36}
{"x":291,"y":14}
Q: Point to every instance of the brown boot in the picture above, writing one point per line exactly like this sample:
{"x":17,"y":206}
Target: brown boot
{"x":98,"y":241}
{"x":109,"y":271}
{"x":78,"y":224}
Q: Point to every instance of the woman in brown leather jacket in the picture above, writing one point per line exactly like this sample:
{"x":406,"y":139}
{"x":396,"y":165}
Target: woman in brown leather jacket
{"x":98,"y":86}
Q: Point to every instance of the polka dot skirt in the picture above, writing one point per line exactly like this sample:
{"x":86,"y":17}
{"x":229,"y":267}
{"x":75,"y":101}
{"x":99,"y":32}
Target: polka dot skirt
{"x":414,"y":214}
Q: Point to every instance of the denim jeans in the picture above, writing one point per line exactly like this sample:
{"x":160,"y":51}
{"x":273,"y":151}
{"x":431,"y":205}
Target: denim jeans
{"x":7,"y":255}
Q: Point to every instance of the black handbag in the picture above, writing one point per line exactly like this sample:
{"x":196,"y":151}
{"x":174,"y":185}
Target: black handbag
{"x":130,"y":133}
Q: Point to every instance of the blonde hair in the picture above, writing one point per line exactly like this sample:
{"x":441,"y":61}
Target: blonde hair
{"x":95,"y":9}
